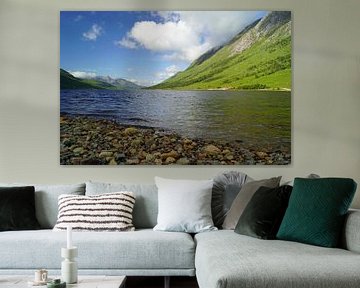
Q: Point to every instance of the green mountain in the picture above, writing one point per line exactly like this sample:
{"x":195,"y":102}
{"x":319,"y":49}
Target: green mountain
{"x":259,"y":57}
{"x":68,"y":81}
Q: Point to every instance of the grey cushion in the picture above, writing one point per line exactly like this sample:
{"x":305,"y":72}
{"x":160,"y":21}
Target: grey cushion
{"x":146,"y":204}
{"x":144,"y":249}
{"x":243,"y":198}
{"x":46,"y":200}
{"x":184,"y":205}
{"x":225,"y":259}
{"x":351,"y":234}
{"x":310,"y":176}
{"x":226,"y":187}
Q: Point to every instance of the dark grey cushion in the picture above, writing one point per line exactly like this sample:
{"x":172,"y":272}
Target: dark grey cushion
{"x":263,"y":215}
{"x":17,"y":209}
{"x":243,"y":198}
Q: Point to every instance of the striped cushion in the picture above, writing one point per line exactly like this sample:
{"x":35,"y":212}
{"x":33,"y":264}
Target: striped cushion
{"x":105,"y":212}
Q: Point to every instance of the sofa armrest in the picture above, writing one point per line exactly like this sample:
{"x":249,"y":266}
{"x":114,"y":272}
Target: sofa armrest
{"x":351,"y":234}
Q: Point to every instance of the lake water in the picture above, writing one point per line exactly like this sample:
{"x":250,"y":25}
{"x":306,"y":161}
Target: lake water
{"x":253,"y":117}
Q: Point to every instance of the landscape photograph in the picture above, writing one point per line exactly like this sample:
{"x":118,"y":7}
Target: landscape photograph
{"x":175,"y":87}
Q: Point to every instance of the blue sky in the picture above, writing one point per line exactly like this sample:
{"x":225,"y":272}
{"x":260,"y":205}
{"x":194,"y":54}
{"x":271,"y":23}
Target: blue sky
{"x":145,"y":47}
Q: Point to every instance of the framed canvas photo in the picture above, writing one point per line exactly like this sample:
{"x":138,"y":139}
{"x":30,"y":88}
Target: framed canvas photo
{"x":175,"y":87}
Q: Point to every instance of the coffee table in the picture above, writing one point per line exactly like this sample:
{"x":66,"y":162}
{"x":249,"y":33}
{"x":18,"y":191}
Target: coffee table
{"x":83,"y":282}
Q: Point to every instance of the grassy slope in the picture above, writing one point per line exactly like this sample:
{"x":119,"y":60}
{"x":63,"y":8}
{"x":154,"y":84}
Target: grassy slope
{"x":99,"y":84}
{"x":267,"y":64}
{"x":68,"y":81}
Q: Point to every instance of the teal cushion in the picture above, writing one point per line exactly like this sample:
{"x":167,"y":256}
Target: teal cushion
{"x":316,"y":211}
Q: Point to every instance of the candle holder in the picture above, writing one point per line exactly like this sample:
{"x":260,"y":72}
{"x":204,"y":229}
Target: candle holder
{"x":69,"y":271}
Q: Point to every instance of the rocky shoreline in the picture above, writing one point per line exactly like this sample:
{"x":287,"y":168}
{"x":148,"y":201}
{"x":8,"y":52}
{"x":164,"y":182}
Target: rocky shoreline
{"x":89,"y":141}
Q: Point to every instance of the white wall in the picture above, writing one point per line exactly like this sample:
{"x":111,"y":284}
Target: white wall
{"x":326,"y":91}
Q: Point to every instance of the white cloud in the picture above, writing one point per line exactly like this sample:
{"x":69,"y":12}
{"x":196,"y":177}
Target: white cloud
{"x":185,"y":35}
{"x":168,"y":72}
{"x":127,"y":43}
{"x":94,"y":32}
{"x":82,"y":74}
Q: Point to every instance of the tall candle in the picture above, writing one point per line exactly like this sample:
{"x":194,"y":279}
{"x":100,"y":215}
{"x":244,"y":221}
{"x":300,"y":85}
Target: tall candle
{"x":69,"y":237}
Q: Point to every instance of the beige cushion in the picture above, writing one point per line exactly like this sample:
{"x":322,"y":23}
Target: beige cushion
{"x":243,"y":198}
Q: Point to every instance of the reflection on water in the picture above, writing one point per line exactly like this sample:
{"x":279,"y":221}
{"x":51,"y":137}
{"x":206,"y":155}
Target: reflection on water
{"x":258,"y":117}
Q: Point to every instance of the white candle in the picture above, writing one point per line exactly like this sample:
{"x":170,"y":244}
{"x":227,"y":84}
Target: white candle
{"x":69,"y":237}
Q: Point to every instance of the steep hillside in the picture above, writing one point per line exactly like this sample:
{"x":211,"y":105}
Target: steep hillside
{"x":68,"y":81}
{"x":259,"y":57}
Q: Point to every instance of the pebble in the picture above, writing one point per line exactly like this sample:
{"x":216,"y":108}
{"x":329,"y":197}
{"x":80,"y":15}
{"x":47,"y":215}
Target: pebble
{"x":90,"y":141}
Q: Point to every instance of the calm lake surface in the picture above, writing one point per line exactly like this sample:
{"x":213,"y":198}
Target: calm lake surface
{"x":254,"y":117}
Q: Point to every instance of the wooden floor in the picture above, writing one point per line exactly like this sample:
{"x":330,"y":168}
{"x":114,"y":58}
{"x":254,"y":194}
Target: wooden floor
{"x":158,"y":282}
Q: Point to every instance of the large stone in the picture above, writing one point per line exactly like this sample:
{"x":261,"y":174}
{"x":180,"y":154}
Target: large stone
{"x":170,"y":160}
{"x":150,"y":157}
{"x":226,"y":151}
{"x":172,"y":154}
{"x":187,"y":141}
{"x":79,"y":150}
{"x":136,"y":142}
{"x":211,"y":150}
{"x":132,"y":161}
{"x":183,"y":161}
{"x":105,"y":154}
{"x":261,"y":154}
{"x":130,"y":131}
{"x":229,"y":157}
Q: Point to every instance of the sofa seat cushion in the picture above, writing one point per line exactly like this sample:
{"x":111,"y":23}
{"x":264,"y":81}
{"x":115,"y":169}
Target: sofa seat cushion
{"x":225,"y":259}
{"x":142,"y":249}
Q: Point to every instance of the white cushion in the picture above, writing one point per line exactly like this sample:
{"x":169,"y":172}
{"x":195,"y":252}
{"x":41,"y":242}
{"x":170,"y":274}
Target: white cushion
{"x":184,"y":205}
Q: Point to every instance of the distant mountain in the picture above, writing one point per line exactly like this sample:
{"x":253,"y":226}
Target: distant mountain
{"x":68,"y":81}
{"x":119,"y":82}
{"x":259,"y":57}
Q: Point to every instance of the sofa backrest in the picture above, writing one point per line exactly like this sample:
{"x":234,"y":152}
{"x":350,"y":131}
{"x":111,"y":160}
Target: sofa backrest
{"x":146,"y":203}
{"x":46,"y":200}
